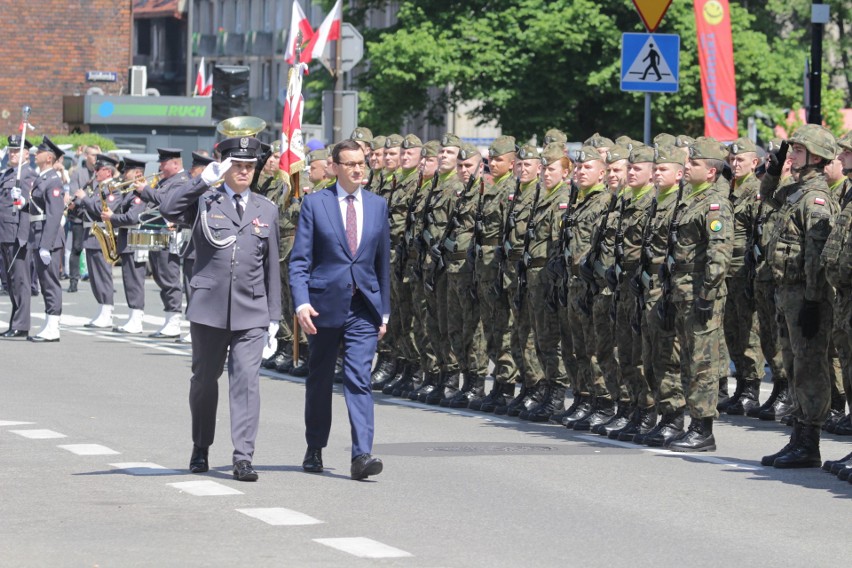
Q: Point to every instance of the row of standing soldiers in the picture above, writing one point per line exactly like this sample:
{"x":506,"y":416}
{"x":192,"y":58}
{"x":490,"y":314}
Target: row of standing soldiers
{"x":633,"y":274}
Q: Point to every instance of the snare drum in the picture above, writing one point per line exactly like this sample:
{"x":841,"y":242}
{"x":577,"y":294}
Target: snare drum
{"x":147,"y":239}
{"x":179,"y":241}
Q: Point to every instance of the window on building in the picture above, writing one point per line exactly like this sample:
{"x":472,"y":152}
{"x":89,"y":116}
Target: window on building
{"x":143,"y":36}
{"x":266,"y":85}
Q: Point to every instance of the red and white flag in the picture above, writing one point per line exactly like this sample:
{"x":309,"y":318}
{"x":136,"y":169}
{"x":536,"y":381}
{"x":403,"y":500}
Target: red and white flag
{"x":203,"y":85}
{"x":298,"y":24}
{"x":328,"y":31}
{"x":292,"y":145}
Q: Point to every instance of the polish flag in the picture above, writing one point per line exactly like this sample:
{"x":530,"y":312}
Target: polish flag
{"x":298,"y":24}
{"x":292,"y":145}
{"x":203,"y":85}
{"x":328,"y":31}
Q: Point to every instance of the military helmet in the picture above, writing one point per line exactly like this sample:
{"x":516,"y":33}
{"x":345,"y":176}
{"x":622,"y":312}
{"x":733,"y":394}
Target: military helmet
{"x":817,"y":140}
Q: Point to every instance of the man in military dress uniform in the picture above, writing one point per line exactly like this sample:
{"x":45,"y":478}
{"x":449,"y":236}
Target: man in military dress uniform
{"x":14,"y":229}
{"x":46,"y":238}
{"x":236,"y":300}
{"x":81,"y":178}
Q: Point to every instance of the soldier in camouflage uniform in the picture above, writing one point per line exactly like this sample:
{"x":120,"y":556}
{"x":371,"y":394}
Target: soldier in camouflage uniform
{"x":601,"y":144}
{"x":624,"y":241}
{"x":597,"y":368}
{"x":802,"y":294}
{"x":522,"y":346}
{"x":699,"y":255}
{"x":364,"y":137}
{"x":739,"y":321}
{"x":493,"y":302}
{"x":780,"y":401}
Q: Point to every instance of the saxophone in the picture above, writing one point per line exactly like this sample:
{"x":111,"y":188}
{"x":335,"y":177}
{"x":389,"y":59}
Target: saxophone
{"x":105,"y":235}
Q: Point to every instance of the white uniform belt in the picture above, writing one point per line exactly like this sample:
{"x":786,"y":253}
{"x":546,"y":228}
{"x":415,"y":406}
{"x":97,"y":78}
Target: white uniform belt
{"x":88,"y":225}
{"x":37,"y":218}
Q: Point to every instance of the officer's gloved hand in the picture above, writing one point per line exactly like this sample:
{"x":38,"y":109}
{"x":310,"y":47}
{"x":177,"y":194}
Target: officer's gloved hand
{"x":587,"y":271}
{"x":777,"y":159}
{"x":44,"y":254}
{"x":637,"y":288}
{"x":809,"y":319}
{"x":17,"y":197}
{"x":703,"y":310}
{"x":215,"y":170}
{"x":611,"y":278}
{"x":271,"y":341}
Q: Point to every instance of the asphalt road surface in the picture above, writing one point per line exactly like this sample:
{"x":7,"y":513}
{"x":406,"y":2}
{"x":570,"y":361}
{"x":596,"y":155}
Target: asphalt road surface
{"x":95,"y":438}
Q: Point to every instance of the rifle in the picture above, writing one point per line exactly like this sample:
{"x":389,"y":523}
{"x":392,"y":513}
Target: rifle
{"x":474,"y":251}
{"x":445,"y":244}
{"x":407,"y":237}
{"x":505,"y":246}
{"x":390,"y":196}
{"x":754,"y":251}
{"x":589,"y":264}
{"x":424,"y":239}
{"x":643,"y":277}
{"x":665,"y":309}
{"x":560,"y":265}
{"x":526,"y":259}
{"x":615,"y":273}
{"x":370,"y":178}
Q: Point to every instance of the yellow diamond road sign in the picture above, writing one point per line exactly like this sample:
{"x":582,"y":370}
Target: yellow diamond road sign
{"x":652,"y":12}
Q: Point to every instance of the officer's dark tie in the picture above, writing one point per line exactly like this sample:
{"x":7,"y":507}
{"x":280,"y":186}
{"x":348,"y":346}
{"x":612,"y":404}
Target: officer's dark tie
{"x":238,"y":204}
{"x":351,"y":225}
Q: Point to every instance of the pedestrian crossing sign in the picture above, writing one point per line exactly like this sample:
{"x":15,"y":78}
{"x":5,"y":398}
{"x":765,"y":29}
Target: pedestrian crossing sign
{"x":650,"y":62}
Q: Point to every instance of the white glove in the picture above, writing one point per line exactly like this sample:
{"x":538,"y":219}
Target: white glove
{"x":44,"y":254}
{"x":17,"y":197}
{"x":271,"y":342}
{"x":214,"y":171}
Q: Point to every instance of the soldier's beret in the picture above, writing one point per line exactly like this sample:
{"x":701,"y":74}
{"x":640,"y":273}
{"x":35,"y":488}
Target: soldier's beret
{"x":378,"y":142}
{"x":707,"y":149}
{"x":468,"y":151}
{"x":502,"y":145}
{"x":430,"y":149}
{"x":240,"y":148}
{"x":665,"y":139}
{"x":529,"y":152}
{"x":321,"y":154}
{"x":642,"y":154}
{"x":552,"y":153}
{"x":598,"y":141}
{"x":668,"y":154}
{"x":15,"y":142}
{"x":411,"y":141}
{"x":627,"y":142}
{"x":741,"y":146}
{"x":616,"y":153}
{"x":588,"y":154}
{"x":555,"y":135}
{"x":165,"y":154}
{"x":451,"y":140}
{"x":393,"y":141}
{"x":362,"y":134}
{"x":684,"y":141}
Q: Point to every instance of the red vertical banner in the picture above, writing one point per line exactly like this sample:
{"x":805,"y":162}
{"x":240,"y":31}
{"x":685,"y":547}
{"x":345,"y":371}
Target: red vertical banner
{"x":716,"y":57}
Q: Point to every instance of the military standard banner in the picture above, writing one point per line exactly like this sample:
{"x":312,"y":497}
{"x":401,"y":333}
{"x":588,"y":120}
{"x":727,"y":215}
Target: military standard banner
{"x":716,"y":57}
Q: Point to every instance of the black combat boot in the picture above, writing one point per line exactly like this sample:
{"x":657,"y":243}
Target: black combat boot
{"x":794,"y":441}
{"x":403,"y":372}
{"x":585,"y":407}
{"x":621,"y":419}
{"x":699,"y":438}
{"x":72,"y":286}
{"x":558,"y":417}
{"x":384,"y":373}
{"x":837,"y":411}
{"x":410,"y":383}
{"x":540,"y":392}
{"x":300,"y":367}
{"x":339,"y":374}
{"x":430,"y":382}
{"x":834,"y":466}
{"x":805,"y":453}
{"x":517,"y":404}
{"x":731,"y":400}
{"x":273,"y":360}
{"x":603,"y":412}
{"x":553,"y":402}
{"x":285,"y":365}
{"x":844,"y":474}
{"x":769,"y":404}
{"x":476,"y":403}
{"x":670,"y":425}
{"x":747,"y":399}
{"x":647,"y":421}
{"x":501,"y":395}
{"x":472,"y":389}
{"x":448,"y":386}
{"x":844,"y":426}
{"x":724,"y":399}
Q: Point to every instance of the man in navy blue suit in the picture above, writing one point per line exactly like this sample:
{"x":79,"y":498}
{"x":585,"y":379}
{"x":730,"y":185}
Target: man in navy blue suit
{"x":340,"y":281}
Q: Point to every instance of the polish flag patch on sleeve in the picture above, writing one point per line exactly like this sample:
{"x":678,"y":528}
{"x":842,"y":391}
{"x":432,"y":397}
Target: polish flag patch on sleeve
{"x":819,"y":201}
{"x":136,"y":201}
{"x":714,"y":207}
{"x":56,"y":192}
{"x":563,"y":206}
{"x":511,"y":197}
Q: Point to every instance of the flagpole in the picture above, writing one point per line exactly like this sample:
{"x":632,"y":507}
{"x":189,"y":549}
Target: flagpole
{"x":295,"y":189}
{"x":337,"y":129}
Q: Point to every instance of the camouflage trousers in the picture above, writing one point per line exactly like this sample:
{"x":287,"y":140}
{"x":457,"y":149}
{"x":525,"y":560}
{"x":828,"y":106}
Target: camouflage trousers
{"x":840,"y":339}
{"x":425,"y":346}
{"x":629,"y":344}
{"x":463,"y":329}
{"x":597,"y":367}
{"x":690,"y":362}
{"x":770,"y":343}
{"x":437,"y":324}
{"x":811,"y":379}
{"x":496,"y":316}
{"x":740,"y":330}
{"x":653,"y":337}
{"x":545,"y":327}
{"x":402,"y":327}
{"x":522,"y":344}
{"x":579,"y":384}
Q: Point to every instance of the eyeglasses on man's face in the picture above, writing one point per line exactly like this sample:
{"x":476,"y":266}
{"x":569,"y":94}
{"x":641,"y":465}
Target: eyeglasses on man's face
{"x":352,"y":165}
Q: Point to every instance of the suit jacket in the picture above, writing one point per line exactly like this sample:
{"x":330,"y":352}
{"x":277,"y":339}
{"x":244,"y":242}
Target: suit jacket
{"x":47,"y":199}
{"x":323,"y":270}
{"x":14,"y":224}
{"x":237,"y":287}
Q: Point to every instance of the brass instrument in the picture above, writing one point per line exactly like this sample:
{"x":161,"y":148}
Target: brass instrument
{"x":127,"y":186}
{"x":105,"y":236}
{"x":240,"y":126}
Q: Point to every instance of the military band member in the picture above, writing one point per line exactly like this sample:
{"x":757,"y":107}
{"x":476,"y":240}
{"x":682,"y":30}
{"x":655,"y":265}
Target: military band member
{"x":81,"y":178}
{"x":14,"y":229}
{"x":236,"y":300}
{"x":46,"y":238}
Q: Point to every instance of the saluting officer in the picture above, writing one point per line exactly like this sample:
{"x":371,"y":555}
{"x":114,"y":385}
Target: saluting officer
{"x":236,"y":298}
{"x":46,"y":236}
{"x":14,"y":229}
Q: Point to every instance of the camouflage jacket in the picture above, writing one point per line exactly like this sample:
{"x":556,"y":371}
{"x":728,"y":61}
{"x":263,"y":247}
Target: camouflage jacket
{"x":592,"y":205}
{"x":629,"y":217}
{"x":494,"y":203}
{"x":406,"y":183}
{"x":745,"y":201}
{"x":547,"y":224}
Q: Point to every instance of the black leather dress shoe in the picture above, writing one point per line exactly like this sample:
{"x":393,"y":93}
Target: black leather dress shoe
{"x":16,"y":333}
{"x":313,"y":460}
{"x":39,"y":339}
{"x":198,"y":462}
{"x":364,"y":466}
{"x":243,"y":471}
{"x":158,"y":335}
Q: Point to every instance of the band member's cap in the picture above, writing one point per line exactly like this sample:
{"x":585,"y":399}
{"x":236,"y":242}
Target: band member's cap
{"x":240,"y":149}
{"x":47,"y":145}
{"x":168,"y":154}
{"x":131,"y":164}
{"x":199,"y":161}
{"x":15,"y":142}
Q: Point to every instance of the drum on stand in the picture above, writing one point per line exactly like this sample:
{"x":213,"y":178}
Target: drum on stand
{"x":148,"y":239}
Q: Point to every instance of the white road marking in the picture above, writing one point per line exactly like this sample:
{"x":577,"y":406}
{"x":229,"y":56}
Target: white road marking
{"x":137,"y":341}
{"x":205,"y":488}
{"x":363,"y":547}
{"x":143,"y":468}
{"x":14,"y":423}
{"x":38,"y":434}
{"x":278,"y":516}
{"x":89,"y":450}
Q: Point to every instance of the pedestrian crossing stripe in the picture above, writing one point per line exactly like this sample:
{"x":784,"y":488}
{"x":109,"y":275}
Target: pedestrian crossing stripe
{"x":650,"y":62}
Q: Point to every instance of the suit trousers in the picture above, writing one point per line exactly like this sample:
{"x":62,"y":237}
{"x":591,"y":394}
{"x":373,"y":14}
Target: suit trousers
{"x":48,"y":277}
{"x":133,"y":279}
{"x":16,"y":260}
{"x":243,"y":349}
{"x":359,"y":336}
{"x":100,"y":277}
